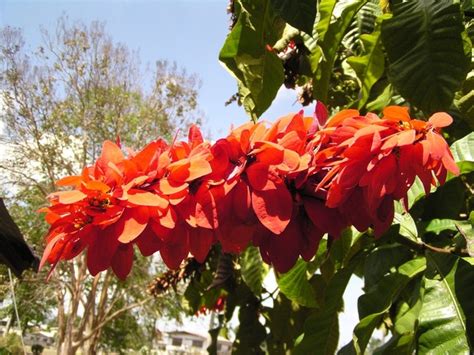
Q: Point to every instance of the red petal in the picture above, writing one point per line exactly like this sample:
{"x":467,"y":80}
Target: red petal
{"x":122,"y":261}
{"x":200,"y":242}
{"x":241,"y":201}
{"x":273,"y":208}
{"x":176,"y":248}
{"x":101,"y":251}
{"x":258,"y":175}
{"x":148,"y":242}
{"x":328,"y":220}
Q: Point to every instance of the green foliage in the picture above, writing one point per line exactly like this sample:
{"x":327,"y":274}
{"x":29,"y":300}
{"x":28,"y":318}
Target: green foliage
{"x":417,"y":39}
{"x":253,"y":269}
{"x":379,"y":298}
{"x":258,"y":71}
{"x":443,"y":318}
{"x":10,"y":344}
{"x":370,"y":66}
{"x":295,"y":285}
{"x":463,"y":153}
{"x":299,"y":14}
{"x":321,"y":329}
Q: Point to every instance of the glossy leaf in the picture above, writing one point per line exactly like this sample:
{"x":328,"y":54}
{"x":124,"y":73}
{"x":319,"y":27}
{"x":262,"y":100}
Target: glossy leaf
{"x":295,"y":285}
{"x":299,"y":14}
{"x":443,"y":326}
{"x":463,"y":153}
{"x":321,"y":330}
{"x":335,"y":17}
{"x":252,"y":269}
{"x":417,"y":40}
{"x":259,"y":72}
{"x":377,"y":301}
{"x":370,"y":66}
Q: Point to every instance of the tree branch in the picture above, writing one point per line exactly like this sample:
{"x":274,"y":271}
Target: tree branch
{"x":422,"y":247}
{"x":110,"y":318}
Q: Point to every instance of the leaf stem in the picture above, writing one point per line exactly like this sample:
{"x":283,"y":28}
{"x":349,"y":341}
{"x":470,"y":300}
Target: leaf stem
{"x":422,"y":246}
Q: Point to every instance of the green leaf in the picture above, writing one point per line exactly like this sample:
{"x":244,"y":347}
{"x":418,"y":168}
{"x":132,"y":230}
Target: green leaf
{"x":407,"y":225}
{"x":252,"y":269}
{"x":295,"y":285}
{"x":380,"y":297}
{"x":466,"y":229}
{"x":425,"y":49}
{"x":335,"y":17}
{"x":381,"y":260}
{"x":416,"y":192}
{"x":321,"y":329}
{"x":370,"y":66}
{"x":443,"y":327}
{"x":437,"y":226}
{"x":259,"y":72}
{"x":463,"y":153}
{"x":300,"y":14}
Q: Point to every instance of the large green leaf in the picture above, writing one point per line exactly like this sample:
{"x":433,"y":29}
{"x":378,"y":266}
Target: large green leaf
{"x":463,"y":153}
{"x":259,"y":72}
{"x":371,"y":65}
{"x":300,"y":14}
{"x":424,"y":45}
{"x":379,"y":262}
{"x":321,"y":329}
{"x":295,"y":285}
{"x":252,"y":269}
{"x":377,"y":301}
{"x":334,"y":19}
{"x":443,"y":326}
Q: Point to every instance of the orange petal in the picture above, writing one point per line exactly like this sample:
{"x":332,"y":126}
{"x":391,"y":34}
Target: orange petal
{"x":268,"y":153}
{"x":132,"y":223}
{"x":111,"y":153}
{"x":396,"y":113}
{"x":195,"y":136}
{"x":145,"y":198}
{"x":199,"y":167}
{"x":440,"y":119}
{"x":339,"y":117}
{"x":70,"y":181}
{"x":69,"y":197}
{"x":97,"y":186}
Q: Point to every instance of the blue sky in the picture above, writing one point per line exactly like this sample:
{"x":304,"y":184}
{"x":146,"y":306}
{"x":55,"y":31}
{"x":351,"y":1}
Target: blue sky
{"x":189,"y":32}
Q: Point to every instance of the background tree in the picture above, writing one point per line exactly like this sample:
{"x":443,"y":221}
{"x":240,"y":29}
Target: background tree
{"x":60,"y":102}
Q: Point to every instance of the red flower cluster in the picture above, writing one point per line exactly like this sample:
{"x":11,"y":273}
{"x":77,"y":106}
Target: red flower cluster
{"x":217,"y":307}
{"x":280,"y":187}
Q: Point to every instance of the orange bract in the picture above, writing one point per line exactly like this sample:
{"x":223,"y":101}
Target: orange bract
{"x":280,"y":187}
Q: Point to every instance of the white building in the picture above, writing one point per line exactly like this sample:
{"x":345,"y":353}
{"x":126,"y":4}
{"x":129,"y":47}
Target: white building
{"x":184,"y":342}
